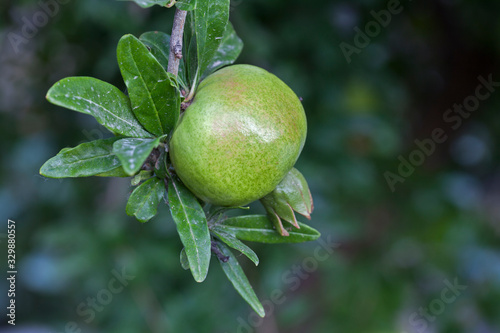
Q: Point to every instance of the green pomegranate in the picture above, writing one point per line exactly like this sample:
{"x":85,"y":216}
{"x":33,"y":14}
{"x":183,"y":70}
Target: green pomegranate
{"x":239,"y":138}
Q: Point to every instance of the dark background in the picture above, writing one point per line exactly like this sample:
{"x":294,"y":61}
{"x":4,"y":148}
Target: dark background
{"x":396,"y":252}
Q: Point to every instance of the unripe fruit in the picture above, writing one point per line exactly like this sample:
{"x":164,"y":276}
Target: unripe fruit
{"x":239,"y":138}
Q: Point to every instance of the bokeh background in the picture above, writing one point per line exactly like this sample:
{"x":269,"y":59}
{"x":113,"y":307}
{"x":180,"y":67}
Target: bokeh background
{"x":423,"y":256}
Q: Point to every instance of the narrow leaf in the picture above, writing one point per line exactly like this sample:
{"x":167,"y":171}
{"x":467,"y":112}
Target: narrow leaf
{"x":190,"y":54}
{"x":228,"y":51}
{"x":144,"y":200}
{"x":103,"y":101}
{"x":235,"y":274}
{"x":186,"y":4}
{"x":258,"y":228}
{"x":133,"y":152}
{"x":155,"y":101}
{"x":210,"y":18}
{"x":192,"y":228}
{"x":159,"y":44}
{"x":236,"y":244}
{"x":88,"y":159}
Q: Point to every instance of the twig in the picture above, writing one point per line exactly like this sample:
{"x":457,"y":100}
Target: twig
{"x":176,"y":41}
{"x":218,"y":252}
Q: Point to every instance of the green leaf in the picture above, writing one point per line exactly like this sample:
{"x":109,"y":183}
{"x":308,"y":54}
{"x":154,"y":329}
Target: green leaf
{"x":102,"y":100}
{"x":210,"y":18}
{"x":116,"y":172}
{"x":236,"y":244}
{"x":155,"y":101}
{"x":88,"y":159}
{"x":235,"y":274}
{"x":186,"y":4}
{"x":184,"y":259}
{"x":190,"y":54}
{"x":159,"y":44}
{"x":133,"y":152}
{"x":258,"y":228}
{"x":192,"y":228}
{"x":228,"y":51}
{"x":149,"y":3}
{"x":144,"y":200}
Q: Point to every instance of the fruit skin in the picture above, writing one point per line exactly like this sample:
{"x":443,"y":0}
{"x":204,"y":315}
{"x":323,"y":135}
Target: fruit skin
{"x":239,"y":138}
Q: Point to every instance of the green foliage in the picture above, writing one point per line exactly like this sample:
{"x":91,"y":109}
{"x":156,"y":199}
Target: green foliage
{"x":155,"y":101}
{"x":192,"y":228}
{"x":210,"y":20}
{"x":159,"y":43}
{"x":133,"y":152}
{"x":116,"y":172}
{"x":235,"y":274}
{"x":106,"y":103}
{"x":395,"y":248}
{"x":189,"y":53}
{"x":143,"y":121}
{"x":235,"y":243}
{"x":140,"y":177}
{"x":257,"y":228}
{"x":88,"y":159}
{"x":228,"y":51}
{"x":186,"y":4}
{"x":144,"y":200}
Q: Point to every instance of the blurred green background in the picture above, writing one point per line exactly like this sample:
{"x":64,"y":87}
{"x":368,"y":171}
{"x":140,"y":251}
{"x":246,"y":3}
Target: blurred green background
{"x":422,"y":258}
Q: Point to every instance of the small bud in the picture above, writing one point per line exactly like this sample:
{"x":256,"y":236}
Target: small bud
{"x":292,"y":194}
{"x":142,"y":175}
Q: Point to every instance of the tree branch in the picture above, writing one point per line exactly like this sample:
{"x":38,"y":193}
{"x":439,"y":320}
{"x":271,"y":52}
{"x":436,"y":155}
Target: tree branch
{"x":176,"y":41}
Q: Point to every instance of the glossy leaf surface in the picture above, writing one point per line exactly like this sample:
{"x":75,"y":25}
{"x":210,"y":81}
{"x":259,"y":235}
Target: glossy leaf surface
{"x":186,"y":4}
{"x":236,"y":244}
{"x":88,"y":159}
{"x":155,"y":101}
{"x":210,"y":21}
{"x":159,"y":44}
{"x":228,"y":51}
{"x":133,"y":152}
{"x":192,"y":228}
{"x":106,"y":103}
{"x":235,"y":274}
{"x":144,"y":200}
